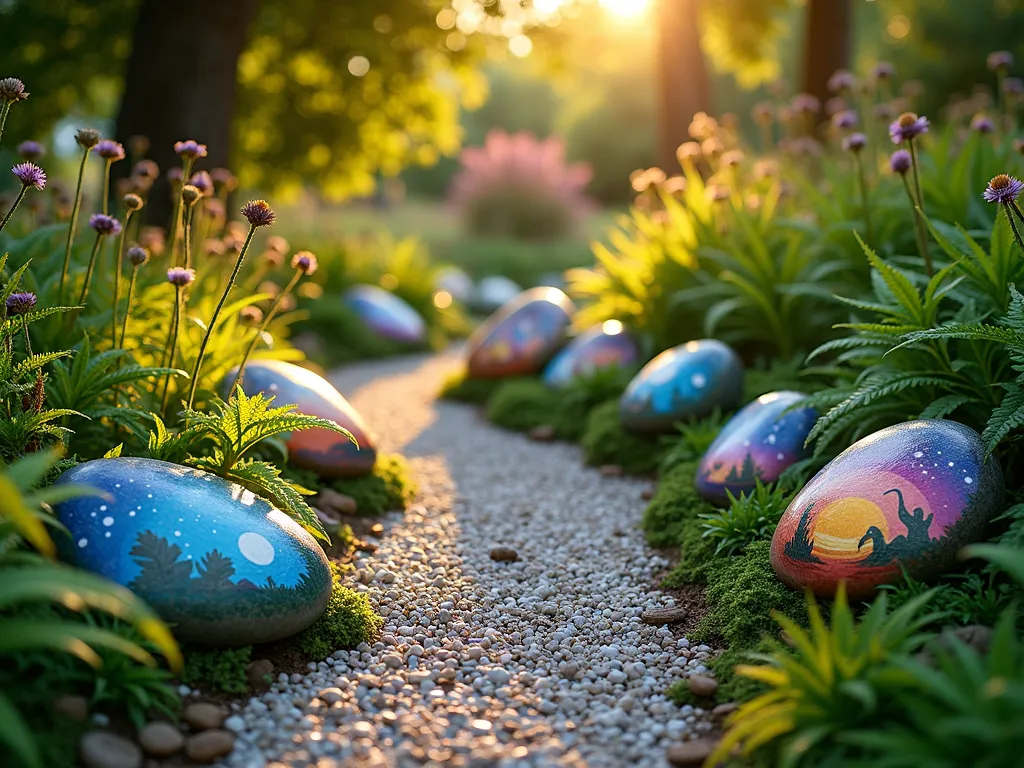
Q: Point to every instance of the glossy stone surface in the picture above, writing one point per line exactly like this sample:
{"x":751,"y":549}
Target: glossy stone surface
{"x":759,"y":442}
{"x":494,"y":292}
{"x":685,"y":382}
{"x":603,"y":346}
{"x":329,"y":454}
{"x":386,"y":315}
{"x":910,"y":495}
{"x":521,"y":337}
{"x":222,"y":566}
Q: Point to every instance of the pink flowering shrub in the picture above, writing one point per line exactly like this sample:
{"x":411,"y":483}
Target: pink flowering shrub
{"x":516,"y":185}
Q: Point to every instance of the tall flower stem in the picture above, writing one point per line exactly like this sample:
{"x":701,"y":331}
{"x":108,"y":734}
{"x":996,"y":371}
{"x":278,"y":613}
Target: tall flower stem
{"x":863,"y":183}
{"x":73,"y":224}
{"x":919,"y":219}
{"x":106,"y":186}
{"x":118,"y":258}
{"x":263,"y":326}
{"x":128,"y":305}
{"x":4,"y":110}
{"x":216,"y":314}
{"x":918,"y":235}
{"x":89,"y":270}
{"x":189,"y":215}
{"x":17,"y":202}
{"x":1010,"y":208}
{"x":172,"y":344}
{"x":186,"y":170}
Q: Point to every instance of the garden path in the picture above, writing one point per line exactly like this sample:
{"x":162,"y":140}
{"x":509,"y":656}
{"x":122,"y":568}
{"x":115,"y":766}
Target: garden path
{"x":542,"y":661}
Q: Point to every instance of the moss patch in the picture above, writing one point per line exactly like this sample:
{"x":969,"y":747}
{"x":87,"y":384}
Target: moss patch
{"x":348,"y":621}
{"x":221,"y":671}
{"x":389,"y":487}
{"x":521,"y":404}
{"x":459,"y":387}
{"x":731,"y":686}
{"x":604,"y":441}
{"x":675,"y":504}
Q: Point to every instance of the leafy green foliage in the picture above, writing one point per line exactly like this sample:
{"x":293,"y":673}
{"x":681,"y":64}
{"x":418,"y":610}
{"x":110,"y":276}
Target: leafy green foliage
{"x":388,"y":488}
{"x":692,"y":442}
{"x":751,"y":517}
{"x":459,"y":387}
{"x":675,"y":505}
{"x":220,"y":671}
{"x":348,"y":621}
{"x":523,"y":404}
{"x":604,"y":441}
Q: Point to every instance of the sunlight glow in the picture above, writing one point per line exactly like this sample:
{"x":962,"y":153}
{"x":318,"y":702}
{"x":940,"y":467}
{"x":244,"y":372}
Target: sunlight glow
{"x":626,"y":9}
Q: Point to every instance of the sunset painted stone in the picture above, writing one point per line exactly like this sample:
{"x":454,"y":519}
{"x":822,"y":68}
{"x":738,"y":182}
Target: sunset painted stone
{"x":520,"y":338}
{"x":603,"y":346}
{"x":685,"y":382}
{"x":386,"y":315}
{"x":220,"y":565}
{"x":329,"y":454}
{"x":759,"y":442}
{"x":908,"y":497}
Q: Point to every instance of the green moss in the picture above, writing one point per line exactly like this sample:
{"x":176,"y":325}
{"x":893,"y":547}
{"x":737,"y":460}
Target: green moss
{"x":697,"y":557}
{"x":389,"y":487}
{"x":675,"y":504}
{"x":521,"y":404}
{"x":221,"y":671}
{"x":459,"y":387}
{"x":604,"y":441}
{"x":742,"y":593}
{"x":348,"y":621}
{"x":731,"y":686}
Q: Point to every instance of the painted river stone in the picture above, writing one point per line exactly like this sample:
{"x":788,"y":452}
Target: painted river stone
{"x":758,"y":443}
{"x":386,"y":315}
{"x":685,"y":382}
{"x":521,"y":337}
{"x":457,"y":283}
{"x":906,"y":497}
{"x":329,"y":454}
{"x":603,"y":346}
{"x":494,"y":292}
{"x":221,"y":565}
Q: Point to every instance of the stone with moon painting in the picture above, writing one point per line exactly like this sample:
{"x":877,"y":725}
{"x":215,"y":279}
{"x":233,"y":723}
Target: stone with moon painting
{"x":608,"y":345}
{"x":220,"y":565}
{"x":386,"y":315}
{"x":330,"y":454}
{"x":904,"y":499}
{"x":520,"y":338}
{"x":685,"y":382}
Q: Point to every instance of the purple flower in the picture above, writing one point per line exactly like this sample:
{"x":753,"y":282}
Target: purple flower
{"x":222,"y":177}
{"x":138,"y":255}
{"x":883,"y":71}
{"x":146,"y":169}
{"x":855,"y":142}
{"x":30,"y":175}
{"x":982,"y":124}
{"x":258,"y":213}
{"x":11,"y":90}
{"x":1003,"y":189}
{"x":805,"y":102}
{"x":999,"y":61}
{"x":842,"y":80}
{"x":900,"y":161}
{"x":20,"y":303}
{"x":180,"y":277}
{"x":1013,"y":86}
{"x":907,"y":126}
{"x":844,"y":120}
{"x":305,"y":261}
{"x":31,"y":150}
{"x":109,"y":150}
{"x":174,"y":176}
{"x":251,"y":316}
{"x":190,"y":148}
{"x":104,"y":225}
{"x":201,"y":180}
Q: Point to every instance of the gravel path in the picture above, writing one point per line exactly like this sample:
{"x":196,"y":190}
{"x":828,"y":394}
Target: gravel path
{"x":543,"y":661}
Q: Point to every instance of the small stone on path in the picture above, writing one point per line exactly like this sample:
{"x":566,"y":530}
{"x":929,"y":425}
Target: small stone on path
{"x":259,"y":674}
{"x":659,"y":616}
{"x":611,"y":470}
{"x":504,"y":555}
{"x":722,"y":711}
{"x":544,"y":433}
{"x":702,"y":685}
{"x":209,"y":745}
{"x":203,"y":716}
{"x":691,"y":753}
{"x":106,"y":750}
{"x":161,"y":739}
{"x":330,"y":500}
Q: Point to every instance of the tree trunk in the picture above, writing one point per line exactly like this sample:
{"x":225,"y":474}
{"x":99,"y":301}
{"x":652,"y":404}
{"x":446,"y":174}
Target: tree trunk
{"x":826,"y":44}
{"x":181,"y":82}
{"x":684,"y":87}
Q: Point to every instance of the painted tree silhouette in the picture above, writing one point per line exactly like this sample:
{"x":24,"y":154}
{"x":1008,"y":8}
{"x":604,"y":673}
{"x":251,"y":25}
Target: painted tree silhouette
{"x":215,"y":570}
{"x":158,"y":559}
{"x":801,"y":546}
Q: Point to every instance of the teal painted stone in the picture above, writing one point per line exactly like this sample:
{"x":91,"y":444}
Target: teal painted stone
{"x":521,"y":337}
{"x":222,"y":566}
{"x":759,"y":443}
{"x":685,"y":382}
{"x":904,"y":499}
{"x":603,"y":346}
{"x":386,"y":315}
{"x":329,"y":454}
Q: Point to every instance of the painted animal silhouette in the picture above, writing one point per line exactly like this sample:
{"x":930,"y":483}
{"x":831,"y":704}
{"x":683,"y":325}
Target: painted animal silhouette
{"x":904,"y":546}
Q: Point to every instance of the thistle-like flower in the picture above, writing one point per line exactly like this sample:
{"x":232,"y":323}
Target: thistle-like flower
{"x":763,"y":113}
{"x":30,"y":175}
{"x":146,"y":169}
{"x":258,"y":213}
{"x":12,"y":90}
{"x":174,"y":176}
{"x":180,"y":276}
{"x":190,"y":149}
{"x":31,"y":150}
{"x":278,"y":244}
{"x":104,"y":225}
{"x":845,"y":120}
{"x":999,"y":61}
{"x":806,"y":103}
{"x":132,"y":202}
{"x":214,"y":247}
{"x":109,"y":150}
{"x":87,"y":138}
{"x":900,"y":162}
{"x":305,"y":262}
{"x":201,"y":180}
{"x":20,"y":303}
{"x":137,"y":255}
{"x":224,"y":179}
{"x":883,"y":71}
{"x":153,"y":239}
{"x":1003,"y":189}
{"x":250,"y":316}
{"x":190,"y":194}
{"x":907,"y":127}
{"x":855,"y":142}
{"x":982,"y":124}
{"x":842,"y":80}
{"x":1013,"y":86}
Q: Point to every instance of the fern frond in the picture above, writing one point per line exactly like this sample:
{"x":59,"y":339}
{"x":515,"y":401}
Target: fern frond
{"x":265,"y":481}
{"x":1006,"y":417}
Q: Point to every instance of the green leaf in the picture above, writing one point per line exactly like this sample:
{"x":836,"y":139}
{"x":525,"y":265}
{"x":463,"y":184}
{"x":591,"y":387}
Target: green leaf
{"x":114,"y":452}
{"x":265,"y":481}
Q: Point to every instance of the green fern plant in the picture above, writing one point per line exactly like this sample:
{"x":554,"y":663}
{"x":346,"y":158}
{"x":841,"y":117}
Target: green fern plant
{"x":691,"y":442}
{"x":749,"y":517}
{"x":219,"y":442}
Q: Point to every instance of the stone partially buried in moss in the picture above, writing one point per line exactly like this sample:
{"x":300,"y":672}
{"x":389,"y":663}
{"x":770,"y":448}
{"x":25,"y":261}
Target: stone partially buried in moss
{"x":389,"y":488}
{"x":347,"y":621}
{"x":604,"y":346}
{"x":386,"y":315}
{"x":605,"y":442}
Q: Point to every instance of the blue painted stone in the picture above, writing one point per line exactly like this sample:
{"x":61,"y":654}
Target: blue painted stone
{"x":386,"y":315}
{"x":457,"y":283}
{"x":685,"y":382}
{"x":222,"y":566}
{"x":494,"y":292}
{"x":759,"y":442}
{"x":603,"y":346}
{"x":329,"y":454}
{"x":520,"y":338}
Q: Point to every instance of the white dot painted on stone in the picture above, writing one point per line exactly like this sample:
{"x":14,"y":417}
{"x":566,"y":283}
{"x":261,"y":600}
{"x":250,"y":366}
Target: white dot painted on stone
{"x":117,"y":485}
{"x":108,"y":521}
{"x":699,"y":380}
{"x":951,"y":463}
{"x":213,"y":531}
{"x":780,"y":456}
{"x":107,"y":534}
{"x":968,"y":480}
{"x":92,"y":514}
{"x":256,"y":549}
{"x":177,"y":533}
{"x":82,"y":543}
{"x":103,"y":507}
{"x":132,"y":513}
{"x":918,"y":454}
{"x":771,"y":439}
{"x":149,"y":495}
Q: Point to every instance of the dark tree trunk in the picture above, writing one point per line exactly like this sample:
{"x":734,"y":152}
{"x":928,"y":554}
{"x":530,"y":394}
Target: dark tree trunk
{"x":826,"y":44}
{"x":181,"y":82}
{"x":684,"y":87}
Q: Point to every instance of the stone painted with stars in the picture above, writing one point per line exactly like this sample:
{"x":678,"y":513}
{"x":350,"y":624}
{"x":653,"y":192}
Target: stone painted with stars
{"x":905,"y":498}
{"x":329,"y":454}
{"x":603,"y":346}
{"x":760,"y":442}
{"x":685,"y":382}
{"x":386,"y":315}
{"x":521,"y":337}
{"x":220,"y":565}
